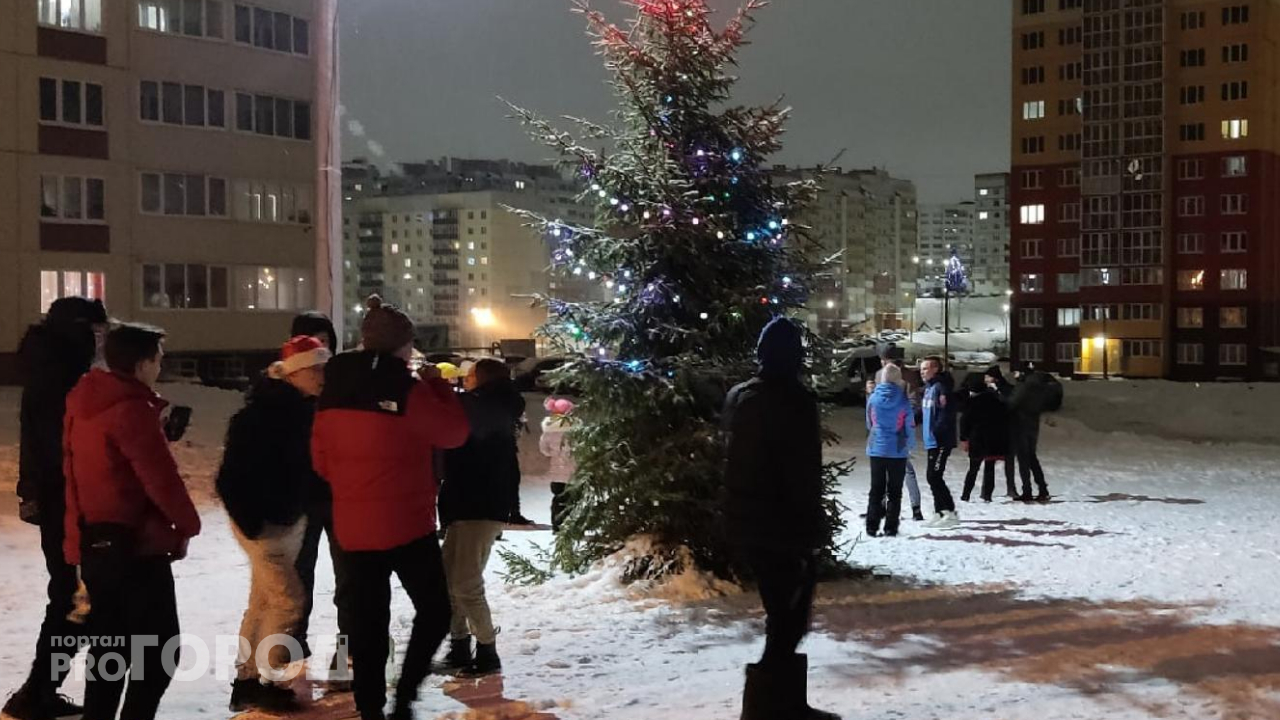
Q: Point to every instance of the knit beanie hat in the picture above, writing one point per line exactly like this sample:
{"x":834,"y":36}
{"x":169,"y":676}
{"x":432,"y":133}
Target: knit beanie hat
{"x":994,"y":372}
{"x":299,"y":353}
{"x":781,"y":348}
{"x":385,"y":329}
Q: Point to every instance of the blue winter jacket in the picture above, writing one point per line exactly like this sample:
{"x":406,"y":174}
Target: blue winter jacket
{"x":940,"y":413}
{"x":891,"y":423}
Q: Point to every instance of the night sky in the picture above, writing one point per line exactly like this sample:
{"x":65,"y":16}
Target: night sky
{"x":918,"y":86}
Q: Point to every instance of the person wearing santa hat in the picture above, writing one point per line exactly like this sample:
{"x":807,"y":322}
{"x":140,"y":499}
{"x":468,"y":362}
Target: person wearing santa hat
{"x":264,"y":479}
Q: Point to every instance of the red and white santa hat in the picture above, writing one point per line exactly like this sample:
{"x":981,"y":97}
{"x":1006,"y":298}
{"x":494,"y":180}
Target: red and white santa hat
{"x":299,"y":353}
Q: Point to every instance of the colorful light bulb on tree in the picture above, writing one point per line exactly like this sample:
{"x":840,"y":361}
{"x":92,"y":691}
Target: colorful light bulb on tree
{"x":693,"y":239}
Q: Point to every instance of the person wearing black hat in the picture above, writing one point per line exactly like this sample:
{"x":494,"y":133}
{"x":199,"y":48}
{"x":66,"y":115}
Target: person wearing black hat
{"x":773,"y":511}
{"x":1036,"y":393}
{"x":984,"y":433}
{"x":54,"y":355}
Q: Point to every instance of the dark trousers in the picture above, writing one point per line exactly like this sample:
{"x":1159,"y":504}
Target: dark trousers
{"x":885,"y":500}
{"x":1026,"y":444}
{"x":46,"y":675}
{"x":988,"y":477}
{"x":132,"y":597}
{"x":786,"y":580}
{"x":942,"y":500}
{"x":320,"y":520}
{"x":420,"y":567}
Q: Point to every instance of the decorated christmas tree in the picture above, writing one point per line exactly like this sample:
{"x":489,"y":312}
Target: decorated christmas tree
{"x":694,"y":252}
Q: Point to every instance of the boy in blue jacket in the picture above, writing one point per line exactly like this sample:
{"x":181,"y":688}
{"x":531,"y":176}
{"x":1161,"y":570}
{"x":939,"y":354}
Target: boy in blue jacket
{"x":939,"y":437}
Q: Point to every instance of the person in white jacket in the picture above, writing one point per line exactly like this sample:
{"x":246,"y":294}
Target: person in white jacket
{"x":554,"y":445}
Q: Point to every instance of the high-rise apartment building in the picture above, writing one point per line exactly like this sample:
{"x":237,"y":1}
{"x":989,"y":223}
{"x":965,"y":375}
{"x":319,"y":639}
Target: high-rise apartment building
{"x":866,"y":221}
{"x":977,"y":229}
{"x":437,"y":239}
{"x":1144,"y":241}
{"x":942,"y":228}
{"x":162,"y":156}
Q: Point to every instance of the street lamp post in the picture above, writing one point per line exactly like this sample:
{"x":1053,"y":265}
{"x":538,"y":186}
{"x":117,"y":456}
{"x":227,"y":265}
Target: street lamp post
{"x":1005,"y":319}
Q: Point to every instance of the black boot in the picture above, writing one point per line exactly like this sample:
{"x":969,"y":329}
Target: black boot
{"x":486,"y":662}
{"x":1044,"y":495}
{"x":794,"y":677}
{"x":916,"y":514}
{"x":402,"y":712}
{"x":26,"y":704}
{"x":459,"y":656}
{"x":244,"y":695}
{"x":760,"y":695}
{"x":254,"y":695}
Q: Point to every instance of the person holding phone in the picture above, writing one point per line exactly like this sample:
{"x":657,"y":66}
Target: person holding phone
{"x":128,"y":517}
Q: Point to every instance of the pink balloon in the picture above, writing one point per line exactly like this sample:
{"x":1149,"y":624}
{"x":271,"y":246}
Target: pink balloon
{"x":549,"y":404}
{"x":563,"y":407}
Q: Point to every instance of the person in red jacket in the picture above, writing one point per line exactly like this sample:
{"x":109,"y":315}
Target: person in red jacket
{"x":128,"y":517}
{"x":375,"y":433}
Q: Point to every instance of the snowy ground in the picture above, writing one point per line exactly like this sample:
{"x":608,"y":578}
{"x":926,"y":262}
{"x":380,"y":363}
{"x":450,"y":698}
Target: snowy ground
{"x":1146,"y":590}
{"x":977,"y":324}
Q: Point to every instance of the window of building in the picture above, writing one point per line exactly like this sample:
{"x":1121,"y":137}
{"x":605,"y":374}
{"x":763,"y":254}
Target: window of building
{"x":272,"y":30}
{"x":1031,"y":317}
{"x":1069,"y":177}
{"x":395,"y":248}
{"x":1033,"y":110}
{"x":1233,"y":354}
{"x":273,"y":202}
{"x":1068,"y":247}
{"x":1069,"y":142}
{"x":1190,"y":318}
{"x":1032,"y":214}
{"x":1033,"y":145}
{"x":1191,"y":94}
{"x":1030,"y":249}
{"x":1191,"y":206}
{"x":81,"y":15}
{"x":1235,"y":90}
{"x":1141,"y":276}
{"x":1101,"y":312}
{"x":72,"y":198}
{"x":57,"y":284}
{"x":1032,"y":7}
{"x":193,"y":18}
{"x":1142,"y":349}
{"x":1033,"y":75}
{"x":178,"y":104}
{"x":484,"y":260}
{"x":1191,"y":132}
{"x":1031,"y":352}
{"x":1190,"y":354}
{"x":182,"y":194}
{"x":1192,"y":20}
{"x":1068,"y":352}
{"x":1032,"y":283}
{"x":1033,"y":40}
{"x":1069,"y":212}
{"x":1032,"y":179}
{"x":1068,"y":282}
{"x":1071,"y":71}
{"x":1233,"y":317}
{"x":71,"y":102}
{"x":1235,"y":242}
{"x":1234,"y":204}
{"x":1098,"y":277}
{"x":1191,"y":58}
{"x":1235,"y":14}
{"x":268,"y":288}
{"x":1235,"y":166}
{"x":1141,"y":311}
{"x":1190,"y":243}
{"x":1070,"y":36}
{"x":1236,"y":53}
{"x":270,"y":115}
{"x":1234,"y":279}
{"x":184,"y":287}
{"x":1191,"y":280}
{"x":1069,"y":317}
{"x":1235,"y":129}
{"x":1190,"y":169}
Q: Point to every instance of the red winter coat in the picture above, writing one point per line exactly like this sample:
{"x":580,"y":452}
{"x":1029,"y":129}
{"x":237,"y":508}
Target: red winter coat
{"x":373,"y":441}
{"x":119,"y":468}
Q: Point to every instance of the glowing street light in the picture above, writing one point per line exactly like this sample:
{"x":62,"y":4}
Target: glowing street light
{"x":483,"y":317}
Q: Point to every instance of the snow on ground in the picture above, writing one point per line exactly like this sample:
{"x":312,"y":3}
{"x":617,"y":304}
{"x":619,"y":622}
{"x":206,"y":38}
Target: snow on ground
{"x":977,"y":324}
{"x":1145,"y":590}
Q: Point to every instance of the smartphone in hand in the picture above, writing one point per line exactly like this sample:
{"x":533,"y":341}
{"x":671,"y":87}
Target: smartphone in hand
{"x":176,"y":424}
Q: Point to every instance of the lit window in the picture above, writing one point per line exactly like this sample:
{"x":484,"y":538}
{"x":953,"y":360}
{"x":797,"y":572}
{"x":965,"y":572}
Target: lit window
{"x":1234,"y":280}
{"x":395,"y":248}
{"x":83,"y":15}
{"x":1233,"y":317}
{"x":1032,"y":214}
{"x":1190,"y":318}
{"x":56,"y":284}
{"x":1191,"y":280}
{"x":1235,"y":129}
{"x":194,"y":18}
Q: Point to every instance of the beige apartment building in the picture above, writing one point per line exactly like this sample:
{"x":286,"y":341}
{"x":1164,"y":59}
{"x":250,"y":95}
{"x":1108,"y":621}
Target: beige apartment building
{"x":162,"y":155}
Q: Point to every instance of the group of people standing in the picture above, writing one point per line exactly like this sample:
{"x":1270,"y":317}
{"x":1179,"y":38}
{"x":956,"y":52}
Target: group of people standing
{"x":989,"y":418}
{"x":356,"y":446}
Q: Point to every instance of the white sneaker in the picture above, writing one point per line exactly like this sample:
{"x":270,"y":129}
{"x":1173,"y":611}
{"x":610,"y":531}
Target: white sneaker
{"x":935,"y":521}
{"x":948,"y":519}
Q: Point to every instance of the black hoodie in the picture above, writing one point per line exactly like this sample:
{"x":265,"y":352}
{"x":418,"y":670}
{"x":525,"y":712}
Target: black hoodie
{"x":266,"y":475}
{"x":481,"y":478}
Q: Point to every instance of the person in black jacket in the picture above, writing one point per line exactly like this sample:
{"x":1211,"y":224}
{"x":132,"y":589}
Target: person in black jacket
{"x":319,"y":511}
{"x":773,"y":510}
{"x":53,"y":355}
{"x":265,"y":479}
{"x":1036,"y":393}
{"x":984,"y":433}
{"x":477,"y":496}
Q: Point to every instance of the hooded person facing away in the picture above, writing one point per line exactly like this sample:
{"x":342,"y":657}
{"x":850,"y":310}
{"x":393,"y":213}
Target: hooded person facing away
{"x":773,"y":511}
